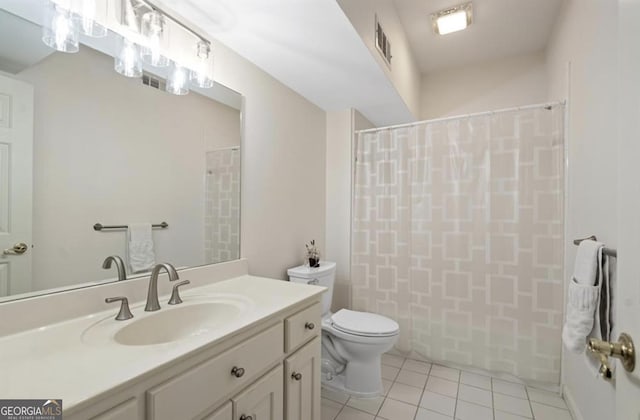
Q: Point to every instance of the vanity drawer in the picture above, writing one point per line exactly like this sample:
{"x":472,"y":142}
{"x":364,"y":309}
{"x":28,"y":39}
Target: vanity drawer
{"x":302,"y":327}
{"x":128,"y":410}
{"x":190,"y":394}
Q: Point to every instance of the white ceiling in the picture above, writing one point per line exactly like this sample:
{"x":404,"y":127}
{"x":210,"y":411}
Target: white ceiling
{"x":308,"y":45}
{"x":501,"y":28}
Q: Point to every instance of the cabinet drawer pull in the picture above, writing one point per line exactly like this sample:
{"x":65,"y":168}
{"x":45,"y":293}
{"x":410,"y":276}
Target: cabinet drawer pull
{"x":238,"y":372}
{"x":243,"y":417}
{"x":296,"y":375}
{"x":309,"y":325}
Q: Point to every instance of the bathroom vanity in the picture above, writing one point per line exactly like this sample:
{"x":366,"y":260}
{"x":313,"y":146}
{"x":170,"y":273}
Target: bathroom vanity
{"x":244,"y":348}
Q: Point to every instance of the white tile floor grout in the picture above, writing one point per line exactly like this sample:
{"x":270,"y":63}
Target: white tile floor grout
{"x":417,"y":390}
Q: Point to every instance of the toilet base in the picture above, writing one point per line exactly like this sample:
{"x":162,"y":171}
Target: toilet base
{"x":369,"y":383}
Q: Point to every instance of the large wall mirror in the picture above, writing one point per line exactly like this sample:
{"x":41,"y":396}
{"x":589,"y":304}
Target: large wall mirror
{"x":82,"y":145}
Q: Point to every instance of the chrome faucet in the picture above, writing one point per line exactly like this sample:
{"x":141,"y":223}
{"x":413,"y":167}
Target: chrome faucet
{"x":152,"y":295}
{"x":122,"y":274}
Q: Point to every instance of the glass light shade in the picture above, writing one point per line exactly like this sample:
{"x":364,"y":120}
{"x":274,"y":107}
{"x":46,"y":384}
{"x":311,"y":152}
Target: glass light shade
{"x":60,"y":30}
{"x":88,"y":24}
{"x":178,"y":80}
{"x":199,"y":77}
{"x":127,"y":61}
{"x":153,"y":29}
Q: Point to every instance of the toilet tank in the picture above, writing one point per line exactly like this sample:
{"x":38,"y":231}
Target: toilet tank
{"x":324,"y":275}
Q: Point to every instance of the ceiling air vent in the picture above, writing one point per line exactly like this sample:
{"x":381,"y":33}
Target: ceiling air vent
{"x":382,"y":43}
{"x":152,"y":81}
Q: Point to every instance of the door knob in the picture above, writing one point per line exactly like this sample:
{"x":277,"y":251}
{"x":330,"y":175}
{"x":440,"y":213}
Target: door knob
{"x":623,"y":350}
{"x":296,"y":376}
{"x":17,"y":249}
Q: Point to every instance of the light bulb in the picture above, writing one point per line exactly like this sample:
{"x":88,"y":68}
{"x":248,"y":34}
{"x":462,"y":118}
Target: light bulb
{"x":60,"y":31}
{"x":127,"y":61}
{"x":178,"y":80}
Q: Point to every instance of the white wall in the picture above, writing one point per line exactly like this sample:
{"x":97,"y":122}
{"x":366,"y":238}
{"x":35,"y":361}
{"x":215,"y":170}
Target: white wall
{"x":283,"y":167}
{"x":340,"y":131}
{"x":404,"y":72}
{"x":108,"y":149}
{"x":496,"y":84}
{"x":586,"y":37}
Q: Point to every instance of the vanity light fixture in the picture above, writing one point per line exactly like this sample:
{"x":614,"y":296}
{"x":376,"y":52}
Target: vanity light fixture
{"x":143,"y":32}
{"x":60,"y":31}
{"x":453,"y":19}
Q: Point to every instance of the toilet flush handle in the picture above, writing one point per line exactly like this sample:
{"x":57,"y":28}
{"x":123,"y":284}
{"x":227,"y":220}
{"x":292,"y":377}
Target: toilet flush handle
{"x":313,"y":281}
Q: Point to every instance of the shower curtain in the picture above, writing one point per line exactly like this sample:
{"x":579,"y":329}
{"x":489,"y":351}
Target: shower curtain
{"x":458,"y":235}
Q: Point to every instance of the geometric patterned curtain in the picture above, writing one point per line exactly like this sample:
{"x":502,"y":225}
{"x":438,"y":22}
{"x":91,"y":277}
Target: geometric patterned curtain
{"x":458,"y":234}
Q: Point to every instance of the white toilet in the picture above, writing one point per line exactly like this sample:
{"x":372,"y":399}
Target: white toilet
{"x":352,"y":342}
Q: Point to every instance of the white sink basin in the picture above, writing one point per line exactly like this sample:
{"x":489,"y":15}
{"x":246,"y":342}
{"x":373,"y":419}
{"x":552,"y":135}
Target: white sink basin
{"x":194,"y":317}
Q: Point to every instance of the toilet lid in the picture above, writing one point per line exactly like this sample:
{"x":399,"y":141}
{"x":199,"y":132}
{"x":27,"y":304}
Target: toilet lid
{"x":363,"y":323}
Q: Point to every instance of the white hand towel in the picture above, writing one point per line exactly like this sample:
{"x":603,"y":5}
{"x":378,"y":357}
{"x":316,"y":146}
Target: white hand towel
{"x":583,"y":296}
{"x":140,"y":251}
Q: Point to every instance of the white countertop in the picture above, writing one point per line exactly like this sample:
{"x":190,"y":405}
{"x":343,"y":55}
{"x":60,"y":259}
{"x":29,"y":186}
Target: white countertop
{"x":56,"y":361}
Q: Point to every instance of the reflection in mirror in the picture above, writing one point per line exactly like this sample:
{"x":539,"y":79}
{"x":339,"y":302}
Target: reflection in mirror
{"x":80,"y":145}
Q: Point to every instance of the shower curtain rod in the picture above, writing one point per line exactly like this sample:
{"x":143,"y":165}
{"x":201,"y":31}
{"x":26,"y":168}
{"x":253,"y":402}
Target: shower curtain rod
{"x":457,"y":117}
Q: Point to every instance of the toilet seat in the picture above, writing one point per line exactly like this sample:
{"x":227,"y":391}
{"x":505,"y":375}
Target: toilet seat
{"x":363,"y":324}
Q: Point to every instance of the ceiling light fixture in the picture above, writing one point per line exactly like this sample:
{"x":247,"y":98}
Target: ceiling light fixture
{"x":453,"y":19}
{"x":144,"y":33}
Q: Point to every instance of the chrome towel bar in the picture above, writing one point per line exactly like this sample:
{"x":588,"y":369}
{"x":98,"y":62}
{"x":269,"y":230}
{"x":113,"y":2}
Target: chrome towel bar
{"x":606,"y":251}
{"x":98,"y":227}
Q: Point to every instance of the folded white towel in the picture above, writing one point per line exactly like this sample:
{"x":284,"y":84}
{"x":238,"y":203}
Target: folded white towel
{"x":140,"y":253}
{"x":583,"y":296}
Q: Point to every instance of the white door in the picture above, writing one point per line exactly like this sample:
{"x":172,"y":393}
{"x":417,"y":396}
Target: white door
{"x":16,"y":185}
{"x":628,"y":280}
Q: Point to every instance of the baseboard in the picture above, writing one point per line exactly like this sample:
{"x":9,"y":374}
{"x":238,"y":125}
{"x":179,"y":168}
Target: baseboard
{"x":571,"y":403}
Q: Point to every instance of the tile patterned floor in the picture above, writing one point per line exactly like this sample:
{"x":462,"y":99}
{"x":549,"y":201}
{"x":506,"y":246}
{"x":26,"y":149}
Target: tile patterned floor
{"x":421,"y":391}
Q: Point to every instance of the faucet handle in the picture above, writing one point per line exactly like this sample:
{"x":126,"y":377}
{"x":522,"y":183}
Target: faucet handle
{"x":175,"y":294}
{"x":124,"y":312}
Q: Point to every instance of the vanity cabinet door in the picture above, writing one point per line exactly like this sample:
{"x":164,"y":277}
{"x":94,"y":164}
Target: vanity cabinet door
{"x":261,"y":401}
{"x":223,"y":413}
{"x":302,"y":383}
